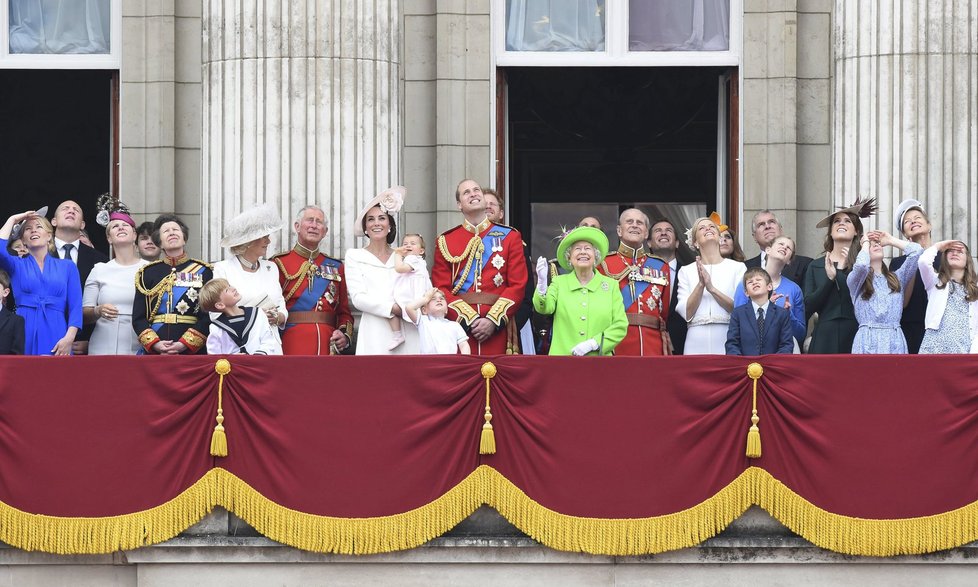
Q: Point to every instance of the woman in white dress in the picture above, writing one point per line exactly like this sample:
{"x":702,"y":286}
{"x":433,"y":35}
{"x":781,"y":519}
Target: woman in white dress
{"x":257,"y":280}
{"x":706,"y":290}
{"x":370,"y":278}
{"x":111,"y":287}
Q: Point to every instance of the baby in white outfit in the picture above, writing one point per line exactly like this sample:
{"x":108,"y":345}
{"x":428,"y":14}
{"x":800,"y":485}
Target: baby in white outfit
{"x":411,"y":283}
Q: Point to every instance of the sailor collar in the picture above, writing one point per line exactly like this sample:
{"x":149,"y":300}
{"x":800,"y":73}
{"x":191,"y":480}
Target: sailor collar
{"x":476,"y":229}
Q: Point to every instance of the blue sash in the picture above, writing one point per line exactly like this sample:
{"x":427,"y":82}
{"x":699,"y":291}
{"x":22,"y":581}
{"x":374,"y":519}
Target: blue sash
{"x":309,"y":299}
{"x":497,"y":232}
{"x":640,"y":286}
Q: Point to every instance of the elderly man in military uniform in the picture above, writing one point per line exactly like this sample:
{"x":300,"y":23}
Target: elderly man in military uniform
{"x":645,"y":287}
{"x":166,"y":313}
{"x":481,"y":268}
{"x":314,"y":287}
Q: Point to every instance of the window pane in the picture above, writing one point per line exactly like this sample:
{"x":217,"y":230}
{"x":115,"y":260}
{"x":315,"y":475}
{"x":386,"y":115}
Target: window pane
{"x":58,"y":27}
{"x":555,"y":25}
{"x":671,"y":25}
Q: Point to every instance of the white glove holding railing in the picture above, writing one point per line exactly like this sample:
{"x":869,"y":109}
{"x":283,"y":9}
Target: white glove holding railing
{"x":582,"y":348}
{"x":542,"y":267}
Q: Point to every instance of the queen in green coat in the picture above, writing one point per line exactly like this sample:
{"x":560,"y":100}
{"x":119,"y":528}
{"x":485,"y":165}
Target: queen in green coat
{"x":589,"y":313}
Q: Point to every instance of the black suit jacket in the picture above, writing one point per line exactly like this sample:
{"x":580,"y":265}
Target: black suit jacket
{"x":795,"y":271}
{"x":87,"y":258}
{"x":11,"y":333}
{"x":675,"y":325}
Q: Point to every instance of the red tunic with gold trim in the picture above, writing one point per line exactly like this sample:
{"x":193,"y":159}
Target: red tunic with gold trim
{"x":314,"y":288}
{"x":644,"y":281}
{"x":482,"y":271}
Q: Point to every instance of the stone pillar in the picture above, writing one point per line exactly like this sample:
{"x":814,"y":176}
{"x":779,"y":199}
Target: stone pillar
{"x":906,"y":121}
{"x":300,"y":106}
{"x":160,"y":112}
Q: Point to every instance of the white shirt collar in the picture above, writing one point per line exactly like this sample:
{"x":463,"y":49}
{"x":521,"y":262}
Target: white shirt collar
{"x":764,"y":307}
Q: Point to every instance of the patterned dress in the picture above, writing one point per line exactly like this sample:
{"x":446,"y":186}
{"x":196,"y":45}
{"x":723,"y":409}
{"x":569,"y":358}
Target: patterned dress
{"x":879,"y":317}
{"x":954,"y":335}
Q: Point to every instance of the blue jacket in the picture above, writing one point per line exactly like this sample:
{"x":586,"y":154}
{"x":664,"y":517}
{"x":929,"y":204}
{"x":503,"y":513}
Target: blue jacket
{"x":742,"y":335}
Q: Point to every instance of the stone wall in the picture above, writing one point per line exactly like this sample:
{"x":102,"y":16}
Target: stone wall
{"x":786,"y":105}
{"x":160,"y":111}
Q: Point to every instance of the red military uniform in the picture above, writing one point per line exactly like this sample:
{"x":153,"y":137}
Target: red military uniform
{"x":644,"y":281}
{"x":482,"y":271}
{"x":314,"y":287}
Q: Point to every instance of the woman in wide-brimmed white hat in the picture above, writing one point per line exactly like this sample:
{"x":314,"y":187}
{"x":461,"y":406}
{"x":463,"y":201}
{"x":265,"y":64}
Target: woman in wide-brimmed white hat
{"x":257,"y":280}
{"x":370,"y":277}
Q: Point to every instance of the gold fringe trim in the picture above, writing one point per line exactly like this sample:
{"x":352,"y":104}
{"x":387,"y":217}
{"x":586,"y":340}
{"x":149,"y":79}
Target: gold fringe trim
{"x":485,"y":485}
{"x":64,"y":535}
{"x":618,"y":536}
{"x":863,"y":536}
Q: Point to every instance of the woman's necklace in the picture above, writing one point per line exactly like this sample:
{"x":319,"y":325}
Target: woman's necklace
{"x":247,"y":264}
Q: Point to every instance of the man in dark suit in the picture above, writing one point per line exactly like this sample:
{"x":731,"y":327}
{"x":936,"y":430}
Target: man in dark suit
{"x":766,"y":227}
{"x":68,"y":223}
{"x":663,"y":242}
{"x":759,"y":327}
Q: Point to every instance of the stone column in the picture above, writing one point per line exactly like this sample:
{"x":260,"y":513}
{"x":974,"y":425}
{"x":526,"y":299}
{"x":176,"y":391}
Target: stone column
{"x":906,"y":121}
{"x":300,"y":106}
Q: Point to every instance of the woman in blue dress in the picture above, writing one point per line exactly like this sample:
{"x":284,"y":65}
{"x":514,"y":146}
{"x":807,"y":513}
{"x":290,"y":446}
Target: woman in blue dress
{"x":47,"y":289}
{"x":877,"y":294}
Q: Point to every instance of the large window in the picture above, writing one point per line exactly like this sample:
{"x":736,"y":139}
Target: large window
{"x":617,"y":32}
{"x":60,"y":34}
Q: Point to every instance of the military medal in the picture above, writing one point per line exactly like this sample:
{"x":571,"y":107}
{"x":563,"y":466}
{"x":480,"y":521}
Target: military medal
{"x":498,"y":262}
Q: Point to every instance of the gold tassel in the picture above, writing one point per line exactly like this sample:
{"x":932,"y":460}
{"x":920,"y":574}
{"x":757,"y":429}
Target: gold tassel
{"x":219,"y":440}
{"x":487,"y":444}
{"x":754,"y":371}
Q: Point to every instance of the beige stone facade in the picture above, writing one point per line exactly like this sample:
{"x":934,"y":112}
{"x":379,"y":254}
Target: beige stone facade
{"x":835,"y":101}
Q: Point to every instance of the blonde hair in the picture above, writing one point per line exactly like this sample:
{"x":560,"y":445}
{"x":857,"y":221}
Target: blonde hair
{"x":48,"y":227}
{"x":420,"y":239}
{"x":210,"y":294}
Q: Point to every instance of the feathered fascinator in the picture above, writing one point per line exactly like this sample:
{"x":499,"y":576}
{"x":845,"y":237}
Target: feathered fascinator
{"x":110,"y":209}
{"x":861,"y":208}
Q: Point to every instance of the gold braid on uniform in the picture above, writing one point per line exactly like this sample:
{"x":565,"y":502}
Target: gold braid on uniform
{"x":474,"y":247}
{"x":303,"y":269}
{"x":617,"y":276}
{"x":155,"y":292}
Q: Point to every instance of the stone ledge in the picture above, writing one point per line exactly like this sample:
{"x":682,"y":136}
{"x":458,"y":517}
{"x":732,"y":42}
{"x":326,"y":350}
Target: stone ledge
{"x":485,"y":537}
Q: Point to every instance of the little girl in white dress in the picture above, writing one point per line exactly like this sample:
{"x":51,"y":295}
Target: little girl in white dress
{"x":411,"y":283}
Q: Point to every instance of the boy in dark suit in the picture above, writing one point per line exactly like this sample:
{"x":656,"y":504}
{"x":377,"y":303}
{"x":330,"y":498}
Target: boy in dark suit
{"x":11,"y":325}
{"x":759,"y":327}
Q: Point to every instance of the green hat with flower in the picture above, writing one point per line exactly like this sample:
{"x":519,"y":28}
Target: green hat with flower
{"x":582,"y":233}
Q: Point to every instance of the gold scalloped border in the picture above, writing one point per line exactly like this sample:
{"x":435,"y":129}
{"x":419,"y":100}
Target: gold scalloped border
{"x":485,"y":485}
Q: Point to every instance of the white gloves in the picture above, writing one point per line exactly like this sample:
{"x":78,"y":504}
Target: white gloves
{"x":582,"y":348}
{"x":542,"y":267}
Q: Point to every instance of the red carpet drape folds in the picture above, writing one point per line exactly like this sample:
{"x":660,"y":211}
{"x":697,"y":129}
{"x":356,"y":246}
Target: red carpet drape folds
{"x":864,"y":455}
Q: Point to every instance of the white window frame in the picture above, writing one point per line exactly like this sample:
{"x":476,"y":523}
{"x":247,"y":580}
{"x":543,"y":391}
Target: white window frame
{"x":110,"y":60}
{"x":616,"y":53}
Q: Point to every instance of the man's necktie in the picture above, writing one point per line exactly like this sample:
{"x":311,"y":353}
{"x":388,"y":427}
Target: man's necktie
{"x":67,"y":248}
{"x":760,"y":324}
